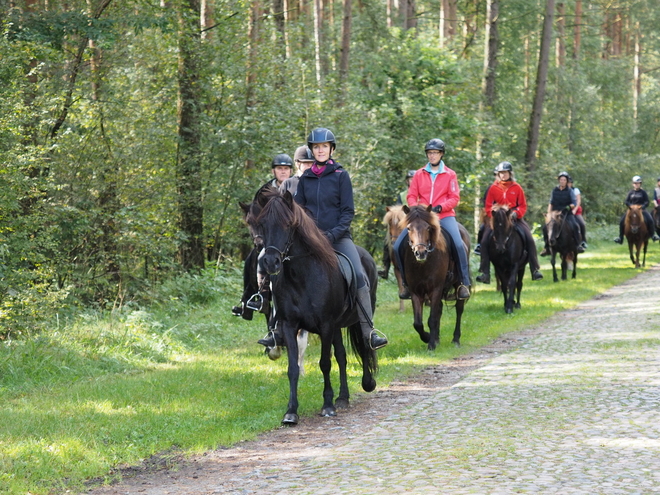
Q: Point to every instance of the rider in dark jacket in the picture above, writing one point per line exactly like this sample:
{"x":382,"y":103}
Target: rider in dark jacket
{"x":563,"y":199}
{"x":637,"y":196}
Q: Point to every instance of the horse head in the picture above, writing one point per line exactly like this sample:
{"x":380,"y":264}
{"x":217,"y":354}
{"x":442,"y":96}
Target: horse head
{"x":634,"y":219}
{"x":423,"y":231}
{"x":554,"y":223}
{"x":288,"y":231}
{"x":502,"y":226}
{"x":392,"y":221}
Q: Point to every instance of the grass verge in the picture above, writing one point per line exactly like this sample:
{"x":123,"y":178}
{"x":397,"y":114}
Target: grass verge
{"x":108,"y":391}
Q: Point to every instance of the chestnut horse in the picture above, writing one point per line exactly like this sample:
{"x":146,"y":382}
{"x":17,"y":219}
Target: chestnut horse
{"x":430,"y":271}
{"x":391,"y":220}
{"x":634,"y":228}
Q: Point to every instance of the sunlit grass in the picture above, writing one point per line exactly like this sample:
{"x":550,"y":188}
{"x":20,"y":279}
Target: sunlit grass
{"x":112,"y":391}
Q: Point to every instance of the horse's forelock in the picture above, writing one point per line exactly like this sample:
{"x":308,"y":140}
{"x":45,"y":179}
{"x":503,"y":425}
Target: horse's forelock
{"x":499,"y":210}
{"x":393,"y":214}
{"x":420,"y":214}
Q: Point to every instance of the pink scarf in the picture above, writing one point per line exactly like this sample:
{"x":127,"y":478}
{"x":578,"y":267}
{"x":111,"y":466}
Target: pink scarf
{"x":319,"y":168}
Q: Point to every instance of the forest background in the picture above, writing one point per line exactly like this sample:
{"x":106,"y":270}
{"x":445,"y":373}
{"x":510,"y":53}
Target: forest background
{"x":130,"y":129}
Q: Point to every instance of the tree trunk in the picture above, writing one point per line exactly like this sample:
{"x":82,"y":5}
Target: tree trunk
{"x":560,"y":46}
{"x":539,"y":95}
{"x":317,"y":41}
{"x":577,"y":30}
{"x":490,"y":55}
{"x":189,"y":166}
{"x":637,"y":77}
{"x":345,"y":47}
{"x":411,"y":14}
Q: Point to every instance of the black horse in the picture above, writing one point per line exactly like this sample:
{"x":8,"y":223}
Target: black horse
{"x":656,"y":219}
{"x":310,"y":292}
{"x":507,"y":253}
{"x":561,"y":240}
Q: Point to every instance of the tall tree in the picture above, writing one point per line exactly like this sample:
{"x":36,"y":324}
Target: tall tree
{"x":539,"y":92}
{"x":189,"y":166}
{"x":577,"y":29}
{"x":345,"y":47}
{"x":490,"y":55}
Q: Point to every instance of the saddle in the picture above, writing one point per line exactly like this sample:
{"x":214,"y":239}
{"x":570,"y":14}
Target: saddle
{"x":348,"y":272}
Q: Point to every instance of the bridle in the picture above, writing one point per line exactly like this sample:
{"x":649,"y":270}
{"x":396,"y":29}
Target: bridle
{"x":284,"y":253}
{"x":429,"y":245}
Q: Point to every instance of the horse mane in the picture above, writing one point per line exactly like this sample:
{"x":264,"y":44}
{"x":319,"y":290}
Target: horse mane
{"x":420,"y":213}
{"x":637,"y":210}
{"x":289,"y":214}
{"x":393,"y":217}
{"x":496,"y":208}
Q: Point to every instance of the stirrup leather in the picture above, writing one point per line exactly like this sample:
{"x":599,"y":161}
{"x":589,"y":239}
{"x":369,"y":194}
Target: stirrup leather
{"x":256,"y":302}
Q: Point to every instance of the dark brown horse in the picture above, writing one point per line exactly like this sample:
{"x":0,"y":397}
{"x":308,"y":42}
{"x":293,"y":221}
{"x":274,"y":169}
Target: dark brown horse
{"x":310,"y":292}
{"x":562,"y":241}
{"x":430,"y":272}
{"x":507,"y":253}
{"x":634,"y":228}
{"x":392,"y":221}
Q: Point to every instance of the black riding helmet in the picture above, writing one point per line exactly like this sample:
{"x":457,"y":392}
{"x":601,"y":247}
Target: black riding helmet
{"x":435,"y":144}
{"x":411,"y":173}
{"x":321,"y":135}
{"x":282,"y":160}
{"x":504,"y":167}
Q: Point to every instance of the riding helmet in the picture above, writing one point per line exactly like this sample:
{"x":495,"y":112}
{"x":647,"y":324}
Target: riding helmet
{"x":563,"y":174}
{"x":435,"y":144}
{"x":637,"y":178}
{"x":504,"y":167}
{"x":411,"y":174}
{"x":282,"y":160}
{"x":303,"y":154}
{"x":321,"y":135}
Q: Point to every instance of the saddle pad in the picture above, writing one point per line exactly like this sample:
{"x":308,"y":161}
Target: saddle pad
{"x":347,"y":270}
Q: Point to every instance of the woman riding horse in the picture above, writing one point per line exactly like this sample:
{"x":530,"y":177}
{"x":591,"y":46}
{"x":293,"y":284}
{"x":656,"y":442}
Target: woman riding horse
{"x":637,"y":196}
{"x":563,"y":200}
{"x":325,"y":189}
{"x":436,"y":185}
{"x":506,"y":191}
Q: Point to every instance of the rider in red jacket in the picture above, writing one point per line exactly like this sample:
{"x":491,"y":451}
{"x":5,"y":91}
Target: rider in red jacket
{"x":506,"y":191}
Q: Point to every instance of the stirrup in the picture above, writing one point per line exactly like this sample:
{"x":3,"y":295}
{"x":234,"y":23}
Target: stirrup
{"x":255,"y":303}
{"x":463,"y":298}
{"x":380,"y":335}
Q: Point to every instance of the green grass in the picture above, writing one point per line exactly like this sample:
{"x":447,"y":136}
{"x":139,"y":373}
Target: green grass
{"x":112,"y":390}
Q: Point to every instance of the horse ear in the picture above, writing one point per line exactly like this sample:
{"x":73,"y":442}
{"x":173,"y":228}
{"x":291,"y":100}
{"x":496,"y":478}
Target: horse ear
{"x":387,"y":208}
{"x":429,"y":208}
{"x":405,"y":209}
{"x":288,"y":199}
{"x":262,"y":200}
{"x":244,"y":207}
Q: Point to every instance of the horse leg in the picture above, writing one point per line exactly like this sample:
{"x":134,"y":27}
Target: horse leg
{"x":418,"y":322}
{"x":646,"y":244}
{"x":434,"y":319}
{"x":340,"y":357}
{"x":519,"y":286}
{"x":302,"y":347}
{"x":325,"y":363}
{"x":397,"y":274}
{"x":632,"y":256}
{"x":575,"y":264}
{"x":460,"y":305}
{"x":511,"y":287}
{"x":564,"y":267}
{"x":554,"y":270}
{"x":288,"y":333}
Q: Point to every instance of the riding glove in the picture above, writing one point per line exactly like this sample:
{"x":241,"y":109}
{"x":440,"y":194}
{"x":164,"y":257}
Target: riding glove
{"x":436,"y":209}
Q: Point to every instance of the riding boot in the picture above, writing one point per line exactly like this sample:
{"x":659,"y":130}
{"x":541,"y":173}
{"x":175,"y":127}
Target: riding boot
{"x":484,"y":266}
{"x":272,"y":338}
{"x":619,"y":240}
{"x":369,"y":333}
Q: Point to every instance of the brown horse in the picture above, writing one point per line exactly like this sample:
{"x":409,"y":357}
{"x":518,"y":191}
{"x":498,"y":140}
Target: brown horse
{"x":562,"y":241}
{"x":392,"y":220}
{"x":635,"y":230}
{"x":430,"y":271}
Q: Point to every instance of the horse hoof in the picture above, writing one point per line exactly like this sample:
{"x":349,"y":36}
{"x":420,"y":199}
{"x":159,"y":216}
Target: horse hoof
{"x":341,"y":404}
{"x":517,"y":305}
{"x":426,"y":337}
{"x":290,"y":419}
{"x":328,"y":412}
{"x":431,"y":346}
{"x":368,"y":385}
{"x":508,"y":311}
{"x":456,"y":343}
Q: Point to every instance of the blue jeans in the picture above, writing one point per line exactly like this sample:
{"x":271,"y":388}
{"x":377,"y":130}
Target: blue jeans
{"x":450,"y":225}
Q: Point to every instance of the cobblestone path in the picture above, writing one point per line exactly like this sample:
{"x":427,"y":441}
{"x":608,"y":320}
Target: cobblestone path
{"x":573,"y":410}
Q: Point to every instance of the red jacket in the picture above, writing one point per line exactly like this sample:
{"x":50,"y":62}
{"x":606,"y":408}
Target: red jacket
{"x":506,"y":193}
{"x":444,"y":191}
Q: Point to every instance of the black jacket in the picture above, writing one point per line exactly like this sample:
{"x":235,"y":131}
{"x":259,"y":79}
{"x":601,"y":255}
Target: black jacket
{"x":329,"y":198}
{"x":637,"y":198}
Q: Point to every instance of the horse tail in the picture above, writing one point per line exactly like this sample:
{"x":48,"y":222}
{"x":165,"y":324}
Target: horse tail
{"x":366,"y":356}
